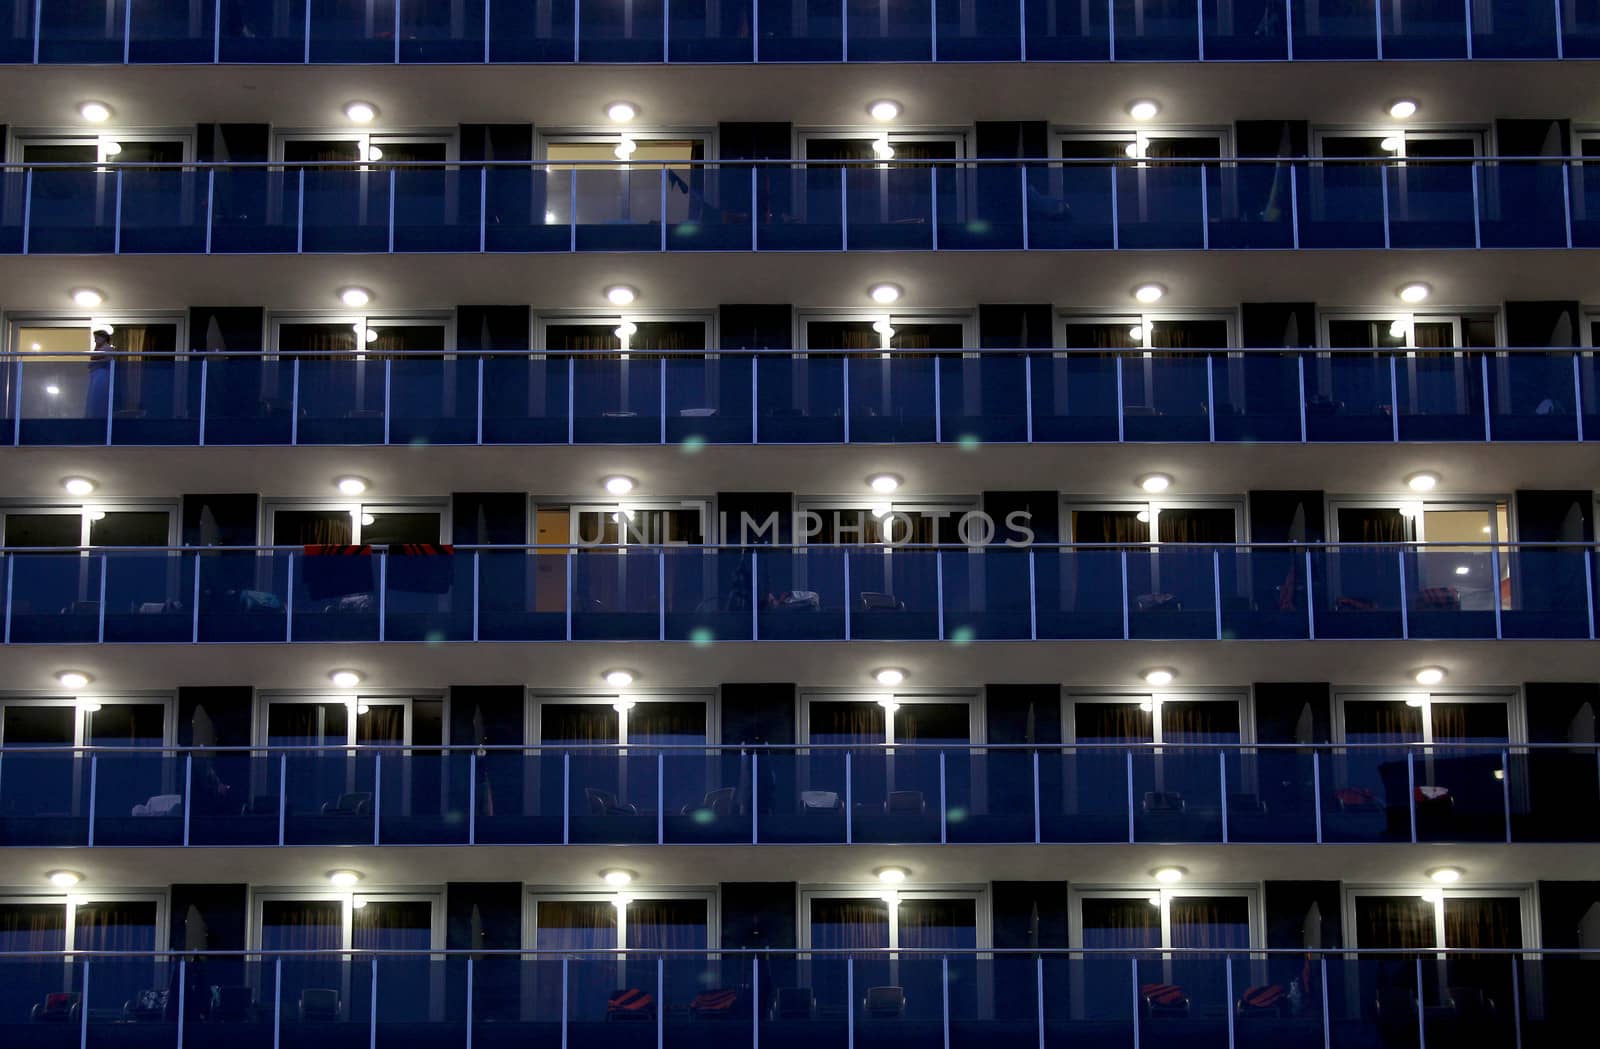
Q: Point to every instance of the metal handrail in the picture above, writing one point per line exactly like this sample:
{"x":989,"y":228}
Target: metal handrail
{"x":644,"y":548}
{"x":814,"y":953}
{"x":111,"y":165}
{"x":484,"y":749}
{"x":370,"y":356}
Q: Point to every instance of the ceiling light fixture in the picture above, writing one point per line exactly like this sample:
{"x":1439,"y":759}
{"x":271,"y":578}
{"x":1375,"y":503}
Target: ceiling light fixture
{"x":1423,"y":481}
{"x":88,"y":298}
{"x":884,"y":109}
{"x":355,"y":297}
{"x":1148,"y":293}
{"x":73,"y":679}
{"x":1430,"y":675}
{"x":360,"y":112}
{"x":1415,"y":292}
{"x":621,"y":295}
{"x":1144,"y":109}
{"x":618,"y":484}
{"x":622,"y":112}
{"x":345,"y":678}
{"x":351,"y":485}
{"x":64,"y":879}
{"x":618,"y":678}
{"x":77,"y":485}
{"x":884,"y":484}
{"x":891,"y":875}
{"x":1155,"y":483}
{"x":885,"y":294}
{"x":1168,"y":875}
{"x":889,"y":676}
{"x":1159,"y":676}
{"x":94,"y":112}
{"x":344,"y":878}
{"x":1445,"y":875}
{"x":617,"y":878}
{"x":1403,"y":109}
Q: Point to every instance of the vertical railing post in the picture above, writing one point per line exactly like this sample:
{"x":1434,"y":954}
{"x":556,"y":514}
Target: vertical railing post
{"x":1128,"y":763}
{"x":188,"y":796}
{"x":566,"y":799}
{"x":1038,"y":803}
{"x":944,"y":801}
{"x":283,"y":795}
{"x":94,"y":776}
{"x":472,"y":800}
{"x":1316,"y":789}
{"x":1505,"y":789}
{"x":1411,"y":791}
{"x":849,"y":802}
{"x":377,"y":795}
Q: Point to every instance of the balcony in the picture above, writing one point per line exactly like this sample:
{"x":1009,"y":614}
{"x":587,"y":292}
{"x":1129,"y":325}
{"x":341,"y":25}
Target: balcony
{"x":1298,"y":204}
{"x":899,"y":794}
{"x":695,"y":398}
{"x":690,"y":31}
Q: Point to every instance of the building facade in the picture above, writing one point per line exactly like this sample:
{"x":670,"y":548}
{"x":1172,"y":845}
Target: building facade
{"x":799,"y":523}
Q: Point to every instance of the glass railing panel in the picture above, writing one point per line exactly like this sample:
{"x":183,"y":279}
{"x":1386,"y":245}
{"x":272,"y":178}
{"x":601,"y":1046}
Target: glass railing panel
{"x":72,"y":211}
{"x":708,"y":400}
{"x":235,"y":798}
{"x":1470,"y":1000}
{"x":442,"y":30}
{"x":987,"y":591}
{"x":1543,"y":592}
{"x":800,"y":208}
{"x":1183,"y":1001}
{"x":1431,"y":205}
{"x":709,"y":796}
{"x":44,"y":797}
{"x":520,"y":797}
{"x":156,"y":400}
{"x":1166,"y":398}
{"x":164,"y":210}
{"x":523,"y":595}
{"x":621,"y":31}
{"x":889,"y":30}
{"x":433,"y":401}
{"x":517,"y":999}
{"x":1375,"y":997}
{"x":1069,"y":206}
{"x":1250,"y":206}
{"x":41,"y":1001}
{"x":1272,"y":795}
{"x":1522,"y":204}
{"x":708,"y":1002}
{"x":800,"y":795}
{"x":1461,"y":794}
{"x":323,"y":998}
{"x":901,"y":1003}
{"x":82,"y":31}
{"x":1429,"y":29}
{"x":617,"y":209}
{"x":983,"y":399}
{"x":1172,"y":593}
{"x":895,"y":794}
{"x":249,"y":400}
{"x":894,"y":594}
{"x":988,"y":796}
{"x":809,"y":1002}
{"x":437,"y":209}
{"x":800,"y":399}
{"x":1155,"y":31}
{"x":1366,"y":794}
{"x":122,"y":992}
{"x":1553,"y":791}
{"x":526,"y":399}
{"x":1277,"y":1002}
{"x":64,"y":401}
{"x":980,"y":208}
{"x":1067,"y":32}
{"x":1264,"y":593}
{"x":1341,"y":204}
{"x":1580,"y":30}
{"x":800,"y":593}
{"x":528,"y":210}
{"x":1554,"y":997}
{"x":1347,"y":29}
{"x":1533,"y":397}
{"x":1511,"y":29}
{"x":335,"y":594}
{"x":341,"y":400}
{"x":55,"y":598}
{"x":536,"y":32}
{"x":710,"y":595}
{"x":1589,"y":395}
{"x":1257,"y":396}
{"x":426,"y":797}
{"x":616,"y":595}
{"x":1079,"y":594}
{"x":615,"y":796}
{"x":892,"y":399}
{"x":1244,"y":30}
{"x":1084,"y":795}
{"x":1177,"y":795}
{"x":263,"y":31}
{"x":13,"y":204}
{"x":1088,"y":1000}
{"x":428,"y":594}
{"x":255,"y":211}
{"x":149,"y":596}
{"x":1452,"y":593}
{"x":353,"y":33}
{"x":345,"y":210}
{"x":890,"y":208}
{"x":139,"y":799}
{"x":993,"y":1002}
{"x":616,"y":399}
{"x":1440,"y":396}
{"x":1357,"y":590}
{"x":1074,"y":397}
{"x":978,"y":32}
{"x":17,"y":35}
{"x":800,"y":30}
{"x":330,"y":796}
{"x":1349,"y":397}
{"x":708,"y":31}
{"x":244,"y":596}
{"x":420,"y":1000}
{"x":709,"y":209}
{"x":1161,"y":207}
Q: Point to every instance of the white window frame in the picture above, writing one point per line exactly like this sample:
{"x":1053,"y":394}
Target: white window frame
{"x":1249,"y":891}
{"x":259,"y":896}
{"x":1153,"y":508}
{"x":537,"y":698}
{"x":89,"y":697}
{"x":977,"y":720}
{"x":363,"y":319}
{"x":982,"y":929}
{"x":1154,"y":699}
{"x":365,"y":140}
{"x":952,"y":507}
{"x":803,"y":137}
{"x":803,"y":319}
{"x":1524,"y":894}
{"x":536,"y":895}
{"x":574,"y":507}
{"x":1409,"y":319}
{"x":72,"y":900}
{"x":602,"y":135}
{"x":1418,"y":507}
{"x":15,"y":322}
{"x":1510,"y":698}
{"x":86,"y":512}
{"x":100,"y":138}
{"x":1138,"y":136}
{"x":263,"y":702}
{"x":545,"y":319}
{"x":357,"y":509}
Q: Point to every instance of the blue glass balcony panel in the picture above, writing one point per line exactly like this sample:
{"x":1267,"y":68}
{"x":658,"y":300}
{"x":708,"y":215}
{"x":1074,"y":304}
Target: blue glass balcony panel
{"x":1244,"y":30}
{"x":708,"y":797}
{"x":523,"y":804}
{"x":801,"y":30}
{"x":433,"y":401}
{"x":72,"y":212}
{"x":800,"y":399}
{"x":1084,"y":796}
{"x":1202,"y":1018}
{"x":987,"y":593}
{"x":256,"y":211}
{"x":800,"y":594}
{"x":968,"y":32}
{"x":1589,"y":395}
{"x":328,"y":797}
{"x":139,"y":799}
{"x":13,"y":208}
{"x":1452,"y":593}
{"x":442,"y":30}
{"x":616,"y":210}
{"x":1342,"y":205}
{"x":1580,"y":28}
{"x":1415,"y":29}
{"x":1460,"y":794}
{"x":1358,"y":592}
{"x":44,"y":797}
{"x":1511,"y":29}
{"x":428,"y":595}
{"x":17,"y":34}
{"x":1533,"y":397}
{"x":1341,"y":29}
{"x":263,"y":31}
{"x":524,"y":596}
{"x":800,"y":208}
{"x":894,"y":594}
{"x":64,"y":402}
{"x":616,"y":400}
{"x":895,"y":794}
{"x":710,"y":209}
{"x":1543,"y":592}
{"x":426,"y":797}
{"x":1161,"y":207}
{"x":1350,"y":397}
{"x":527,"y":210}
{"x":541,"y":31}
{"x":889,"y":209}
{"x":621,"y":31}
{"x":709,"y":595}
{"x":235,"y":798}
{"x":802,"y":796}
{"x":82,"y":31}
{"x":320,"y":993}
{"x":437,"y":210}
{"x":1272,"y":796}
{"x":708,"y":400}
{"x":1551,"y":785}
{"x":892,"y":401}
{"x":983,"y":399}
{"x":1522,"y":205}
{"x":341,"y":401}
{"x":164,"y":211}
{"x":614,"y":797}
{"x":1250,"y":206}
{"x":249,"y":400}
{"x":149,"y":596}
{"x":156,"y":401}
{"x":525,"y":399}
{"x":1172,"y":593}
{"x":1431,"y":205}
{"x":1166,"y":399}
{"x":1067,"y":32}
{"x":346,"y":210}
{"x":244,"y":596}
{"x":171,"y":31}
{"x":55,"y":598}
{"x":1366,"y":795}
{"x":336,"y":596}
{"x":711,"y":31}
{"x":1156,"y":30}
{"x":1440,"y":397}
{"x":980,"y":209}
{"x":352,"y":31}
{"x":1177,"y":796}
{"x":989,"y":796}
{"x":1257,"y":396}
{"x":1071,"y":207}
{"x":1079,"y":595}
{"x":1075,"y":397}
{"x":616,"y":595}
{"x":889,"y":30}
{"x":112,"y":986}
{"x":1264,"y":593}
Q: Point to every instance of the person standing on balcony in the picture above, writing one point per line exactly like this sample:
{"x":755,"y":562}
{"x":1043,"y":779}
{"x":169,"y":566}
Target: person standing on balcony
{"x":96,"y":397}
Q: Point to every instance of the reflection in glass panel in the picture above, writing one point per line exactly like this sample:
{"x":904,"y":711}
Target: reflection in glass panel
{"x":667,"y":723}
{"x":941,"y":723}
{"x":578,"y":724}
{"x":1132,"y":722}
{"x":1382,"y":721}
{"x":115,"y":926}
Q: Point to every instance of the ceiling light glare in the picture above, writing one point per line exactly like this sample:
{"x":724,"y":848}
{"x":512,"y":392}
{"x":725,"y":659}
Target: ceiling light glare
{"x":1148,"y":293}
{"x":345,"y":678}
{"x":351,"y":485}
{"x":355,"y":297}
{"x":622,"y":112}
{"x":618,"y":484}
{"x":1430,"y":675}
{"x":1445,"y":875}
{"x":884,"y":110}
{"x":344,"y":878}
{"x":1159,"y":676}
{"x":618,"y":678}
{"x":77,"y":485}
{"x":94,"y":112}
{"x":889,"y":676}
{"x":621,"y":295}
{"x":1423,"y":481}
{"x":360,"y":112}
{"x":1403,"y":109}
{"x":885,"y":294}
{"x":88,"y":298}
{"x":1155,"y":483}
{"x":72,"y":679}
{"x":1144,"y":109}
{"x":884,"y":484}
{"x":1415,"y":293}
{"x":64,"y":879}
{"x":1168,"y":875}
{"x":891,"y":875}
{"x":617,"y":877}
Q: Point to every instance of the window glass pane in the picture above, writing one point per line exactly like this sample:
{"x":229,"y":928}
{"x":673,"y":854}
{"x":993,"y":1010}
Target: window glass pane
{"x":392,"y":925}
{"x":125,"y":725}
{"x":1113,"y":722}
{"x":933,"y":723}
{"x":321,"y":151}
{"x":302,"y":925}
{"x":47,"y":341}
{"x":1189,"y":335}
{"x":845,"y":722}
{"x":849,"y":924}
{"x":667,"y":724}
{"x":939,"y":924}
{"x":390,"y":527}
{"x":129,"y":528}
{"x":1399,"y":922}
{"x":317,"y":338}
{"x":33,"y":927}
{"x":150,"y":153}
{"x":44,"y":529}
{"x":85,"y":153}
{"x":312,"y":528}
{"x":380,"y":723}
{"x":307,"y":724}
{"x":1210,"y":922}
{"x":1200,"y":721}
{"x":119,"y":926}
{"x":663,"y":925}
{"x":27,"y":726}
{"x":1115,"y":336}
{"x":1197,"y":526}
{"x":1469,"y":722}
{"x":1122,"y":923}
{"x":1110,"y":526}
{"x":575,"y":724}
{"x":575,"y":925}
{"x":1375,"y":525}
{"x":1382,"y":721}
{"x":1487,"y":922}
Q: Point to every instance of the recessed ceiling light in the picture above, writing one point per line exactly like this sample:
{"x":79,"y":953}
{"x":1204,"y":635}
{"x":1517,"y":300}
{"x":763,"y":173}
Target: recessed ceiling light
{"x":64,"y":879}
{"x":345,"y":678}
{"x":622,"y":112}
{"x":77,"y":485}
{"x":616,"y":877}
{"x":94,"y":112}
{"x":88,"y":298}
{"x":360,"y":112}
{"x":1445,"y":875}
{"x":618,"y":678}
{"x":1403,"y":109}
{"x":618,"y":484}
{"x":1415,"y":292}
{"x":891,"y":875}
{"x":621,"y":295}
{"x":884,"y":109}
{"x":1430,"y":675}
{"x":884,"y":483}
{"x":1148,"y":293}
{"x":344,"y":878}
{"x":885,"y":294}
{"x":1159,"y":676}
{"x":1423,"y":481}
{"x":1155,"y":483}
{"x":889,"y":676}
{"x":351,"y":485}
{"x":1168,"y":875}
{"x":73,"y":679}
{"x":1144,"y":109}
{"x":1463,"y":570}
{"x":355,"y":297}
